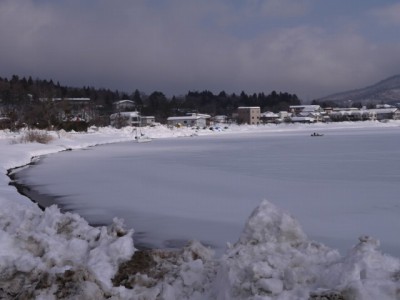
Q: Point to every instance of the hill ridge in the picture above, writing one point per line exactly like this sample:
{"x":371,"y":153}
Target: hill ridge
{"x":384,"y":91}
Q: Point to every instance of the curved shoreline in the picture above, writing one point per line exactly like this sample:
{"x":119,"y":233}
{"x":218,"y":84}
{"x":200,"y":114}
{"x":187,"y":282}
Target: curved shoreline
{"x":41,"y":200}
{"x":44,"y":201}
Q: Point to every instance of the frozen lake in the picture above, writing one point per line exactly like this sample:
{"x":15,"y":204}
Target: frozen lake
{"x":339,"y":186}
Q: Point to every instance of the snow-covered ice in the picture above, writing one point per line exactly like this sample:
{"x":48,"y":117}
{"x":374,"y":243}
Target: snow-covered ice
{"x":50,"y":255}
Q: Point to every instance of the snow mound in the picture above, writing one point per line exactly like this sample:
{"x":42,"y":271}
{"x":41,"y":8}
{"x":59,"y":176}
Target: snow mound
{"x":364,"y":273}
{"x":51,"y":253}
{"x":273,"y":259}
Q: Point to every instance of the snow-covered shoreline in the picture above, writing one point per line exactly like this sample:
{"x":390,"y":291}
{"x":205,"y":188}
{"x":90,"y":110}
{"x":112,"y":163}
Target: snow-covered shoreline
{"x":51,"y":255}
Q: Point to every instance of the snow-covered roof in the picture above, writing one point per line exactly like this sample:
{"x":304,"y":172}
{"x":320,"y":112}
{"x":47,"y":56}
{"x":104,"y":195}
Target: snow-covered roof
{"x":384,"y":106}
{"x":269,"y":114}
{"x":124,"y":102}
{"x":304,"y":106}
{"x":126,"y":114}
{"x":355,"y":112}
{"x":71,"y":99}
{"x":349,"y":112}
{"x":383,"y":110}
{"x":193,"y":117}
{"x":248,"y":107}
{"x":309,"y":114}
{"x":204,"y":116}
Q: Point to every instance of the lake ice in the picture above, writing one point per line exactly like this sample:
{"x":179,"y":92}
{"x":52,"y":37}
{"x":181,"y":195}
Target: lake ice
{"x":339,"y":186}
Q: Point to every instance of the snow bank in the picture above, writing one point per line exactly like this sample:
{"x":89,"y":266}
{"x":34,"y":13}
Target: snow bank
{"x":41,"y":249}
{"x":273,"y":259}
{"x":51,"y":255}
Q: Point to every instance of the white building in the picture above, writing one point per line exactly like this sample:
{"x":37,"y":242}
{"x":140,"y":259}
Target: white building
{"x":147,"y":120}
{"x":310,"y":112}
{"x":220,"y":119}
{"x":355,"y":114}
{"x":297,"y":109}
{"x":350,"y":114}
{"x":124,"y":105}
{"x":269,"y":117}
{"x":120,"y":119}
{"x":383,"y":113}
{"x":199,"y":120}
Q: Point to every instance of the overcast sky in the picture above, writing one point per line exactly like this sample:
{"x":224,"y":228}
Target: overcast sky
{"x":309,"y":47}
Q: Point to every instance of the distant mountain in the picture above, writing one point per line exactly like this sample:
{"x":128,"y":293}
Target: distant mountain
{"x":386,"y":91}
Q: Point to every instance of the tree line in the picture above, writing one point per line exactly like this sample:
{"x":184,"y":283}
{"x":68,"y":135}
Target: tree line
{"x":215,"y":104}
{"x":24,"y":99}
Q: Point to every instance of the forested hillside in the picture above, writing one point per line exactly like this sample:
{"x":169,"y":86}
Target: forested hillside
{"x":18,"y":90}
{"x":29,"y":101}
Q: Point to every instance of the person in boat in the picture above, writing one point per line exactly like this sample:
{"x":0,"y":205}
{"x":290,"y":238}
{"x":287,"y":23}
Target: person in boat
{"x":316,"y":134}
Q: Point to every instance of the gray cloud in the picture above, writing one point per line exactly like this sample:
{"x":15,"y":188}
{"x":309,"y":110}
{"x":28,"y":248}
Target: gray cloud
{"x":281,"y":8}
{"x":389,"y":14}
{"x":175,"y":46}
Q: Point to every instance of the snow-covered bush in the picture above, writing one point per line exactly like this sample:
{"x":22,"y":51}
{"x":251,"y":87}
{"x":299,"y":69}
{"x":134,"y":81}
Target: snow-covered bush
{"x":32,"y":136}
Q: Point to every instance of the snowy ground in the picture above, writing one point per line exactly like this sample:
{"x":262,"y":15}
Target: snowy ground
{"x":49,"y":255}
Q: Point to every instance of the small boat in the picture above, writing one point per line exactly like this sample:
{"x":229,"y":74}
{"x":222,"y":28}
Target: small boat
{"x":316,"y":134}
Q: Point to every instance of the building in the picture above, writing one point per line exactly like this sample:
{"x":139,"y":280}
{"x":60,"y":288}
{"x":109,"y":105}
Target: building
{"x":297,"y":109}
{"x":355,"y":114}
{"x":130,"y":118}
{"x":220,"y":119}
{"x":396,"y":115}
{"x":312,"y":113}
{"x":249,"y":114}
{"x":284,"y":116}
{"x":124,"y":105}
{"x":350,"y":114}
{"x":147,"y":120}
{"x":269,"y":117}
{"x":382,"y":113}
{"x":126,"y":118}
{"x":199,"y":120}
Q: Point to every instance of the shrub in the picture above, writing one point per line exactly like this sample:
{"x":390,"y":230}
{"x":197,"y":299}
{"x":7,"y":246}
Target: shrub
{"x":5,"y":123}
{"x":35,"y":136}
